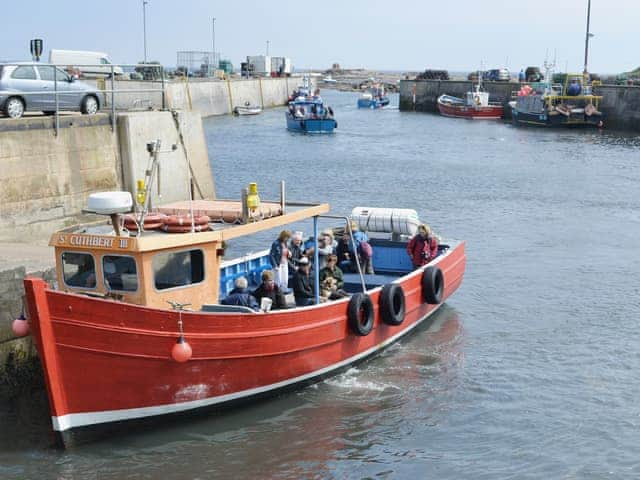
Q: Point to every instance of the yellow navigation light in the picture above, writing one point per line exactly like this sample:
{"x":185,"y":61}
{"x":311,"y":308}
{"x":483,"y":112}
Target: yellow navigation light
{"x":253,"y":200}
{"x":141,"y":193}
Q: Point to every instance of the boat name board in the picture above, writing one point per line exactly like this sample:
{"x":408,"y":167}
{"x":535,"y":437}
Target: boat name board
{"x":94,"y":241}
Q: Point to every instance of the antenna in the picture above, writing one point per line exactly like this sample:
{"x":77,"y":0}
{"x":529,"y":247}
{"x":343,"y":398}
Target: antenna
{"x":586,"y":41}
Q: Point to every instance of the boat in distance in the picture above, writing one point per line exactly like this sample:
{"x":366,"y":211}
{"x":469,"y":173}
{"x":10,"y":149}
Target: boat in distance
{"x":310,"y":115}
{"x":247,"y":109}
{"x":138,"y":328}
{"x":374,"y":97}
{"x":475,"y":106}
{"x":548,"y":104}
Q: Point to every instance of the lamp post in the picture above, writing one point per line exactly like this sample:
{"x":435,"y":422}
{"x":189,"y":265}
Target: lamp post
{"x":267,"y":48}
{"x":213,"y":45}
{"x":144,"y":26}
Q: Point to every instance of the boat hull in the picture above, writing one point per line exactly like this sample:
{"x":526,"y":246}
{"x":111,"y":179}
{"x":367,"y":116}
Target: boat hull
{"x":311,"y":125}
{"x":528,"y":119}
{"x":106,"y":361}
{"x":373,"y":102}
{"x":491,"y":112}
{"x":247,"y":111}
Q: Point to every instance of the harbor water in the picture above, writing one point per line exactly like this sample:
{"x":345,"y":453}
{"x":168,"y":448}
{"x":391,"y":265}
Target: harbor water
{"x":529,"y":371}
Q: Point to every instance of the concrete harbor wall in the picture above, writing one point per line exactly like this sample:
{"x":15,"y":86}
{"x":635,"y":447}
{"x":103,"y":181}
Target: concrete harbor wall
{"x":206,"y":97}
{"x":620,"y":104}
{"x":45,"y":180}
{"x":220,"y":97}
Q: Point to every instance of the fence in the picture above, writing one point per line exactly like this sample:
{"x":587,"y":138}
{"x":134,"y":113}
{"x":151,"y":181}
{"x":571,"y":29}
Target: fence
{"x":35,"y":80}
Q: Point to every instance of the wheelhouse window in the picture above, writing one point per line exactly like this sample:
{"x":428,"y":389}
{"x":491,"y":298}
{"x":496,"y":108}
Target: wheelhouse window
{"x":79,"y":270}
{"x":120,"y":273}
{"x":178,"y":269}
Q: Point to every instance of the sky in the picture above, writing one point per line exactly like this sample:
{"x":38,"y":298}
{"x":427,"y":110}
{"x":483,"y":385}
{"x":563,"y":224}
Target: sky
{"x":404,"y":35}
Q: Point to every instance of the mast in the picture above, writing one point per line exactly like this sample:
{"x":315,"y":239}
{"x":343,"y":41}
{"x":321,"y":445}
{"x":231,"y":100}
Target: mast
{"x":586,"y":41}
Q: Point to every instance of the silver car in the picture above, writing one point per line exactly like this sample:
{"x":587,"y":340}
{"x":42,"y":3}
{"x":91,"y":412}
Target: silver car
{"x":31,"y":87}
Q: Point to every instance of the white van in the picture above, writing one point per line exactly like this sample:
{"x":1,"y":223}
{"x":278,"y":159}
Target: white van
{"x":91,"y":64}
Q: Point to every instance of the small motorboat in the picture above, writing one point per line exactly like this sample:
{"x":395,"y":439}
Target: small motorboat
{"x":374,"y":97}
{"x":310,"y":115}
{"x":247,"y":109}
{"x":474,"y":106}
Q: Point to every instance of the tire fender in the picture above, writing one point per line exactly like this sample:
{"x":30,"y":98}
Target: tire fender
{"x":360,"y":314}
{"x":432,"y":285}
{"x":392,"y":304}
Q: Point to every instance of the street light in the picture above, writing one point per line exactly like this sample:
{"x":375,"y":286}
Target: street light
{"x":144,"y":26}
{"x":213,"y":44}
{"x":267,"y":48}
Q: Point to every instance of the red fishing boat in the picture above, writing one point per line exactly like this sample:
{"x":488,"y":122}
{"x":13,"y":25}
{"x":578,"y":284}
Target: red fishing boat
{"x":136,"y":328}
{"x":474,"y":106}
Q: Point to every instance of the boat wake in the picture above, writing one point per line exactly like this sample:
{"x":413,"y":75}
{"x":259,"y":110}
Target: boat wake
{"x":352,"y":381}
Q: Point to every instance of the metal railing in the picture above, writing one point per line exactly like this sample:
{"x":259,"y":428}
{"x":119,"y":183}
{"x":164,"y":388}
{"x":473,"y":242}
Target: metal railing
{"x":105,"y":72}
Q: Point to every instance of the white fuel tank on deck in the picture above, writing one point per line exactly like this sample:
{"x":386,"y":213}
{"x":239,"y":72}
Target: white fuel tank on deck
{"x":403,"y":221}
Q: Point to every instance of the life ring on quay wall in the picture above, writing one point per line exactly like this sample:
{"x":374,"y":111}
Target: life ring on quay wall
{"x":432,"y":285}
{"x":152,"y":221}
{"x":360,"y":314}
{"x":392,"y":304}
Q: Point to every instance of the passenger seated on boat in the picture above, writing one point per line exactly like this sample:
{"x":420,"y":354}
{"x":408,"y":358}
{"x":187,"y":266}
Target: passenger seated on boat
{"x":241,"y":296}
{"x":332,"y":270}
{"x":279,"y":258}
{"x":345,"y":254}
{"x":300,"y":112}
{"x":269,"y":289}
{"x":330,"y":291}
{"x":325,"y":249}
{"x":423,"y":247}
{"x":302,"y":284}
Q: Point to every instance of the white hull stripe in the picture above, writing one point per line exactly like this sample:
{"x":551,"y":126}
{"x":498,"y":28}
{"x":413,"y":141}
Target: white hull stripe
{"x":74,"y":420}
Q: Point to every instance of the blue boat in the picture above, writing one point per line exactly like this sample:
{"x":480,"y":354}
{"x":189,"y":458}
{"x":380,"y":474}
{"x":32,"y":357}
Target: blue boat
{"x":374,"y":97}
{"x":310,"y":115}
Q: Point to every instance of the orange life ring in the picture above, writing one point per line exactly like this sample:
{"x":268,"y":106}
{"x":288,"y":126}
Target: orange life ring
{"x":185,"y":220}
{"x":184,"y":228}
{"x":152,"y":221}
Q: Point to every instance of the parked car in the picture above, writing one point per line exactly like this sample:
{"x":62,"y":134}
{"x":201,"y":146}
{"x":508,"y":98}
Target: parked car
{"x":29,"y":87}
{"x":91,"y":64}
{"x":497,"y":75}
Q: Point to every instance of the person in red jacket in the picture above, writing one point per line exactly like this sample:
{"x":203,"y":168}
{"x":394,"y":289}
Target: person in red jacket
{"x":423,"y":247}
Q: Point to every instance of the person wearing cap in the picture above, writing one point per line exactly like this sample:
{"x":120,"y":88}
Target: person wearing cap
{"x":269,"y":289}
{"x":302,"y":284}
{"x":279,"y":258}
{"x":241,"y":296}
{"x":332,"y":270}
{"x":423,"y":247}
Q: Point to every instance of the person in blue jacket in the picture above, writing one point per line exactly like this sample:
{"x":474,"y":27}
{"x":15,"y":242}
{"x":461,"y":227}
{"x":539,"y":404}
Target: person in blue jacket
{"x":241,"y":296}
